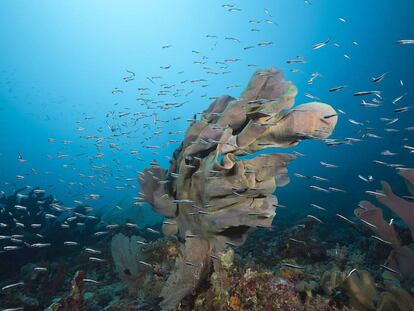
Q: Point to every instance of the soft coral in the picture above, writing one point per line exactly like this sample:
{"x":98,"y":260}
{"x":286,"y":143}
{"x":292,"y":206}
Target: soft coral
{"x":401,"y":258}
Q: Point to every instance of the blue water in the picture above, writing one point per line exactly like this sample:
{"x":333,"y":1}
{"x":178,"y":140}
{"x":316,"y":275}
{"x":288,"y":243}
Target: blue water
{"x":60,"y":62}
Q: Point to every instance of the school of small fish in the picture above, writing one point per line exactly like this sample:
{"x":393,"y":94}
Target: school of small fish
{"x":150,"y":127}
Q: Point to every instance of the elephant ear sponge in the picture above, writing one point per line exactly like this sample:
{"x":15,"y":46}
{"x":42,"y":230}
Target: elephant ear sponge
{"x":210,"y":196}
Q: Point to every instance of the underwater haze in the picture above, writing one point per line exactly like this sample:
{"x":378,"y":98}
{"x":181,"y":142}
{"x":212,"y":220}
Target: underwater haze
{"x":129,"y":181}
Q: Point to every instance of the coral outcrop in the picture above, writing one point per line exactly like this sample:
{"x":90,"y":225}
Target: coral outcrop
{"x":214,"y":192}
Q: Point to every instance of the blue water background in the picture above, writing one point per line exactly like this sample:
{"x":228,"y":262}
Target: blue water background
{"x":60,"y":61}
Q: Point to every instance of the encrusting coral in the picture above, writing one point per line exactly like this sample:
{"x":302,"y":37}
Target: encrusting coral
{"x":210,"y":195}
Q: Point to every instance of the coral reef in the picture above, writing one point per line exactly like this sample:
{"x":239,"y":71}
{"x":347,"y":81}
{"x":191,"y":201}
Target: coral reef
{"x":240,"y":288}
{"x":241,"y":280}
{"x":104,"y":287}
{"x":210,"y":195}
{"x":213,"y":196}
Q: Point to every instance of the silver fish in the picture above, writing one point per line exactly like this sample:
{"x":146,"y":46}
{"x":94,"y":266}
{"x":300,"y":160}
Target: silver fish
{"x":346,"y":219}
{"x":293,"y":266}
{"x":355,"y":122}
{"x":369,"y":224}
{"x":92,"y":251}
{"x":320,"y":189}
{"x":315,"y":218}
{"x":320,"y":45}
{"x":350,"y":273}
{"x":12,"y":286}
{"x":153,"y":231}
{"x":40,"y":269}
{"x":381,"y":240}
{"x":11,"y":248}
{"x":328,"y":165}
{"x":95,"y":259}
{"x":337,"y":88}
{"x":297,"y":241}
{"x":403,"y":109}
{"x":405,"y":41}
{"x":390,"y":269}
{"x":320,"y":178}
{"x":333,"y":189}
{"x":379,"y":78}
{"x":318,"y":207}
{"x":375,"y":193}
{"x":40,"y":245}
{"x":70,"y":243}
{"x":397,"y":99}
{"x":91,"y":281}
{"x":365,"y":93}
{"x":145,"y":263}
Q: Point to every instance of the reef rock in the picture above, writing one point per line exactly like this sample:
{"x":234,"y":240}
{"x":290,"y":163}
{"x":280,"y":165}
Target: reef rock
{"x":211,"y":194}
